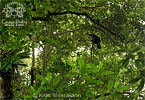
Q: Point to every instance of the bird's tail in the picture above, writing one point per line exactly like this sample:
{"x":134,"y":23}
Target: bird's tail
{"x":99,"y":46}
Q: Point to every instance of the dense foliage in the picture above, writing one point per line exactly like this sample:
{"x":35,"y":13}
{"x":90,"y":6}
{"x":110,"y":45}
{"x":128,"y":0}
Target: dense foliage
{"x":52,"y":57}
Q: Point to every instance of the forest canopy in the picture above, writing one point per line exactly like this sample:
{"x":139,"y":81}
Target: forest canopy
{"x":72,"y":49}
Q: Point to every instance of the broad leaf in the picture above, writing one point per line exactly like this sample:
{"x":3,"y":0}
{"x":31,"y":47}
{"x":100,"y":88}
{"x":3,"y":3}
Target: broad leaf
{"x":123,"y":88}
{"x":56,"y":80}
{"x":98,"y":82}
{"x":110,"y":85}
{"x":116,"y":84}
{"x":107,"y":72}
{"x":81,"y":62}
{"x":140,"y":87}
{"x":39,"y":90}
{"x":31,"y":90}
{"x":49,"y":76}
{"x":61,"y":87}
{"x":135,"y":49}
{"x":84,"y":69}
{"x":41,"y":78}
{"x":121,"y":50}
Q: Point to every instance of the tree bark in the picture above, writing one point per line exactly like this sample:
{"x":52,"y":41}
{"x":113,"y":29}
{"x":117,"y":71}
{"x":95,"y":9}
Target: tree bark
{"x":46,"y":49}
{"x":1,"y":80}
{"x":33,"y":61}
{"x":7,"y":88}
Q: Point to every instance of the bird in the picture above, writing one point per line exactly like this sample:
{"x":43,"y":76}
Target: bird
{"x":95,"y":39}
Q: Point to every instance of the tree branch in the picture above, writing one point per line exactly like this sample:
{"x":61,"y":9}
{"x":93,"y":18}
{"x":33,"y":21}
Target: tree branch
{"x":79,"y":14}
{"x":40,"y":18}
{"x":112,"y":40}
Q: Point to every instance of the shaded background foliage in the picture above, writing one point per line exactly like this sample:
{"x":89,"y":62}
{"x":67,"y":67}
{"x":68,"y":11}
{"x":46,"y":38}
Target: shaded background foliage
{"x":66,"y":63}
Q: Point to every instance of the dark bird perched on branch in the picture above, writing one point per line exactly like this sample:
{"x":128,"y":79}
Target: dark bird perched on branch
{"x":95,"y":39}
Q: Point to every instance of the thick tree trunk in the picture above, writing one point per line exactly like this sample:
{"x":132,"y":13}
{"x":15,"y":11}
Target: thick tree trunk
{"x":1,"y":81}
{"x":1,"y":89}
{"x":7,"y":87}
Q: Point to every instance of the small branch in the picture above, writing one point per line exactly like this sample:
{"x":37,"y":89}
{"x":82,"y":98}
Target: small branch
{"x":112,"y":32}
{"x":40,"y":18}
{"x":136,"y":36}
{"x":112,"y":39}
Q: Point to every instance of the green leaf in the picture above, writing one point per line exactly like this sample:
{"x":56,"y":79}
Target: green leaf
{"x":49,"y":76}
{"x":116,"y":84}
{"x":142,"y":49}
{"x":84,"y":69}
{"x":102,"y":92}
{"x":28,"y":97}
{"x":71,"y":74}
{"x":41,"y":78}
{"x":98,"y":82}
{"x":31,"y":90}
{"x":23,"y":55}
{"x":74,"y":69}
{"x":61,"y":87}
{"x":39,"y":90}
{"x":107,"y":72}
{"x":123,"y":88}
{"x":139,"y":62}
{"x":93,"y":68}
{"x":100,"y":65}
{"x":135,"y":49}
{"x":141,"y":85}
{"x":9,"y":67}
{"x":48,"y":8}
{"x":116,"y":95}
{"x":121,"y":50}
{"x":136,"y":93}
{"x":71,"y":64}
{"x":81,"y":62}
{"x":131,"y":96}
{"x":42,"y":83}
{"x":125,"y":62}
{"x":110,"y":85}
{"x":56,"y":80}
{"x":49,"y":86}
{"x":87,"y":77}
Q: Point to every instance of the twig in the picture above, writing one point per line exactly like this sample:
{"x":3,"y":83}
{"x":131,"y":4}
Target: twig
{"x":136,"y":36}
